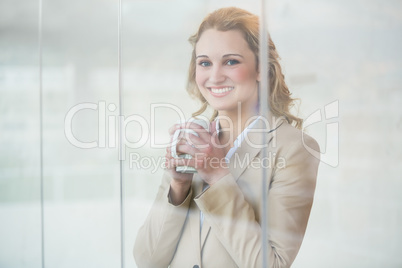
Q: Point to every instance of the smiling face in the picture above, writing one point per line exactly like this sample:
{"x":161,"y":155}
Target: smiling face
{"x":226,"y":71}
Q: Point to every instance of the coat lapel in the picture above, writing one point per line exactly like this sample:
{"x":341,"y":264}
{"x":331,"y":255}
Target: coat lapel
{"x":252,"y":144}
{"x":206,"y":227}
{"x":242,"y":158}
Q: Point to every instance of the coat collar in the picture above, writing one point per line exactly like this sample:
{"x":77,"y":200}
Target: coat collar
{"x":253,"y":143}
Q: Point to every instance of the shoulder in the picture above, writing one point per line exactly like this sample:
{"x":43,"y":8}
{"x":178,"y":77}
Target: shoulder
{"x":288,"y":138}
{"x":297,"y":159}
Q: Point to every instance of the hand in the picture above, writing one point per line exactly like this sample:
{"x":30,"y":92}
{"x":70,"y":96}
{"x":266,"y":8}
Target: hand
{"x":181,"y":182}
{"x":207,"y":152}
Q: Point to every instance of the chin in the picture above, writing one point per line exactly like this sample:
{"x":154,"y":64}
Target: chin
{"x":223,"y":107}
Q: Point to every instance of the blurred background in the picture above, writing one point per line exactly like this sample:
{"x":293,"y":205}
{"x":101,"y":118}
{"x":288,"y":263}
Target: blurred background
{"x":341,"y":58}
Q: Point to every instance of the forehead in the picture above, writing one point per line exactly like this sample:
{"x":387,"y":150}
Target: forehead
{"x":214,"y":42}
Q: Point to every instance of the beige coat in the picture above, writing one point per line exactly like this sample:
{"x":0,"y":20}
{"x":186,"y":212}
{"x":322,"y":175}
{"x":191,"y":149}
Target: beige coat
{"x":231,"y":234}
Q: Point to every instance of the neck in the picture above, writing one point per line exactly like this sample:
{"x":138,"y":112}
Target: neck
{"x":233,"y":123}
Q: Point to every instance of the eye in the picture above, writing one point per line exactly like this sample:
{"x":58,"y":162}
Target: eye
{"x":232,"y":62}
{"x":204,"y":63}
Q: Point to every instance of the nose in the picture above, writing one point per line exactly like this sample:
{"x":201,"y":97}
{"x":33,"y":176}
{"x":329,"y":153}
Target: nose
{"x":217,"y":75}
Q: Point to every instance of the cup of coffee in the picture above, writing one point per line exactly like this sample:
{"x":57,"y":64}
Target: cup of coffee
{"x":186,"y":169}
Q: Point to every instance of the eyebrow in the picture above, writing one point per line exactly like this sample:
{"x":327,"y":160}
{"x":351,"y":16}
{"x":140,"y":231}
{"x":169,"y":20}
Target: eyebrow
{"x":224,"y":56}
{"x":230,"y":55}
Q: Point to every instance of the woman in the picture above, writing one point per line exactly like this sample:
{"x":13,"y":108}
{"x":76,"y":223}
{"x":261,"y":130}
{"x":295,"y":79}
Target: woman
{"x":212,"y":218}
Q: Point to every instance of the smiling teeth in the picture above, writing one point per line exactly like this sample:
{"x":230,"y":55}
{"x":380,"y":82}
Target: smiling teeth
{"x":221,"y":90}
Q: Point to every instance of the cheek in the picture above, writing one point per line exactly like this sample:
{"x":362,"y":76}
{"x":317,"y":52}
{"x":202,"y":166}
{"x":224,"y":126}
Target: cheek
{"x":243,"y":74}
{"x":199,"y":77}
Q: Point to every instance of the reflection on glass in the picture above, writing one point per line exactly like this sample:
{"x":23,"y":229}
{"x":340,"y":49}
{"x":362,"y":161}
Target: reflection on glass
{"x":19,"y":136}
{"x":343,"y":61}
{"x":81,"y":171}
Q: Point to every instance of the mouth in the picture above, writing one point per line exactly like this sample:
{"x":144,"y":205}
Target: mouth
{"x":221,"y":91}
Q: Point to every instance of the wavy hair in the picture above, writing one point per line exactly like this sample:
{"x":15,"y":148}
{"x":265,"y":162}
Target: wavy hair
{"x":232,"y":18}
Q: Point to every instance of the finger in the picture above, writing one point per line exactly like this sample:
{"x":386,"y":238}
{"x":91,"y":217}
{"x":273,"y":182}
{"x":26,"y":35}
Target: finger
{"x":182,"y":135}
{"x":185,"y":135}
{"x":187,"y":149}
{"x":188,"y":138}
{"x":194,"y":141}
{"x":168,"y":154}
{"x":191,"y":125}
{"x":182,"y":147}
{"x":200,"y":130}
{"x":202,"y":136}
{"x":182,"y":142}
{"x":184,"y":162}
{"x":169,"y":150}
{"x":169,"y":164}
{"x":174,"y":143}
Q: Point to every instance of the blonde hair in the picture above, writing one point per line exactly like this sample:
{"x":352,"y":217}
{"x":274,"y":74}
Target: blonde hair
{"x":231,"y":18}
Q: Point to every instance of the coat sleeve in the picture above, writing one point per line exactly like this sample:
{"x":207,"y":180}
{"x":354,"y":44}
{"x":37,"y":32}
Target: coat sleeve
{"x":157,"y":239}
{"x":290,"y":198}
